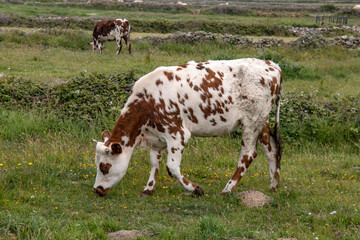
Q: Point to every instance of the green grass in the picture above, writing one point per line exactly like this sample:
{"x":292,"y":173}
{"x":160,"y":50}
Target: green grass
{"x":115,"y":11}
{"x":47,"y":162}
{"x":53,"y":56}
{"x":49,"y":172}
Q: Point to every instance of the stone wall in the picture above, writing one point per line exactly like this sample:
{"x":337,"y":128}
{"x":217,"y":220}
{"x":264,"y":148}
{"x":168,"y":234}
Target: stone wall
{"x":310,"y":40}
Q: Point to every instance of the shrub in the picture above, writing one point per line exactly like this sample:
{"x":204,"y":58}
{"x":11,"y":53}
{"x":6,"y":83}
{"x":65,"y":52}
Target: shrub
{"x":86,"y":98}
{"x":98,"y":98}
{"x":328,"y":7}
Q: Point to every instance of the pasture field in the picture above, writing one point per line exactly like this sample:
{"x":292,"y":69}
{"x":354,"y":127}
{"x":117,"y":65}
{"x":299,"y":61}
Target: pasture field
{"x":56,"y":95}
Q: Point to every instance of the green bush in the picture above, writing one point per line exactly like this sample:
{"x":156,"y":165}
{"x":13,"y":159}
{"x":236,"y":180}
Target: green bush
{"x":99,"y":98}
{"x":290,"y":70}
{"x":327,"y":121}
{"x":56,"y":38}
{"x":83,"y":98}
{"x":328,"y":7}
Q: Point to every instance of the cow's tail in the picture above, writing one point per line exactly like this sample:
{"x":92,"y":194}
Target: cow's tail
{"x":278,"y":139}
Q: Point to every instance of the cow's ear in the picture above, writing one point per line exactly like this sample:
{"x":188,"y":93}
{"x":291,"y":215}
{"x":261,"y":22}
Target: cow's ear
{"x":105,"y":135}
{"x":116,"y":148}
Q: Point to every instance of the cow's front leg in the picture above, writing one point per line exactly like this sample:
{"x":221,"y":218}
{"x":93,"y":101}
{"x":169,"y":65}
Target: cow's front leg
{"x":118,"y":42}
{"x":155,"y":159}
{"x":100,"y":46}
{"x":175,"y":150}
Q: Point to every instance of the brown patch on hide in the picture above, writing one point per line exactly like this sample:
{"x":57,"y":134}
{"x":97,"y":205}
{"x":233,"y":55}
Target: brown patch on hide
{"x":103,"y":28}
{"x":145,"y":110}
{"x":184,"y":65}
{"x":200,"y":66}
{"x":237,"y":177}
{"x":158,"y":82}
{"x":262,"y":81}
{"x":246,"y":161}
{"x":237,"y":174}
{"x":192,"y":116}
{"x":169,"y":75}
{"x":264,"y":136}
{"x":105,"y":134}
{"x":105,"y":167}
{"x":186,"y":181}
{"x":210,"y":81}
{"x":173,"y":150}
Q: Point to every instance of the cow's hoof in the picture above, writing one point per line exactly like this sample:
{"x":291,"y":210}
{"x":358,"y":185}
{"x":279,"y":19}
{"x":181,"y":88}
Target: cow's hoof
{"x":225,"y":193}
{"x":198,"y":191}
{"x":146,"y":193}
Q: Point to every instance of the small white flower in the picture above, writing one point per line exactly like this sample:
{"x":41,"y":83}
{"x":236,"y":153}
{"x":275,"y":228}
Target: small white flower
{"x":316,"y":238}
{"x":32,"y":196}
{"x":333,"y":212}
{"x":309,"y":213}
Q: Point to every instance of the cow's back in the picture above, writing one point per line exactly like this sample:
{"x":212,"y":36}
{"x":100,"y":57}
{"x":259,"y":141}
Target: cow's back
{"x":214,"y":97}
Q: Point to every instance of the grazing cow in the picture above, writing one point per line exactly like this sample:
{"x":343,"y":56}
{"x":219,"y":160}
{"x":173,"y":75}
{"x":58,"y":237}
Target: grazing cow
{"x":109,"y":30}
{"x":170,"y":104}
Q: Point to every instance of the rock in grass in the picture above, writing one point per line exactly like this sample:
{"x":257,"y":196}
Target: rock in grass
{"x":253,"y":198}
{"x":129,"y":234}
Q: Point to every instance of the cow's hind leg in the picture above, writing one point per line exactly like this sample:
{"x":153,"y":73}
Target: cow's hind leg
{"x":155,"y":159}
{"x":270,"y":148}
{"x":247,"y":155}
{"x":128,"y":43}
{"x":118,"y":42}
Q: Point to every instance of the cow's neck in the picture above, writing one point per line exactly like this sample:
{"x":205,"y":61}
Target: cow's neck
{"x":128,"y":126}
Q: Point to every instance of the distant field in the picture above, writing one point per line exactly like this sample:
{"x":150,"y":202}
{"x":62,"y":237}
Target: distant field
{"x":115,"y":11}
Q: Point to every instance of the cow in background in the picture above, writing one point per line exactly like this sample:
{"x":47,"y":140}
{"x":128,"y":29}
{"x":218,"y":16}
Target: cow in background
{"x":110,"y":30}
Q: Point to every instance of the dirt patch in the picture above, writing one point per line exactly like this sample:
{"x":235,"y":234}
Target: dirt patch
{"x":129,"y":234}
{"x":253,"y":198}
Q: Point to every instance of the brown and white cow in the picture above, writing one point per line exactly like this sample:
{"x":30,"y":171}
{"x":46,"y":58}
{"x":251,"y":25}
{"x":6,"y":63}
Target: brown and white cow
{"x":110,"y":30}
{"x":171,"y":104}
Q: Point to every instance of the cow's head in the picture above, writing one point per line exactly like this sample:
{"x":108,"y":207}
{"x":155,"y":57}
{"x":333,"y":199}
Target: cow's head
{"x":112,"y":161}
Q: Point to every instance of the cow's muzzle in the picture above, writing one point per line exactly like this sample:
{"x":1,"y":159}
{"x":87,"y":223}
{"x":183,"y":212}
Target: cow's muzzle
{"x":101,"y":191}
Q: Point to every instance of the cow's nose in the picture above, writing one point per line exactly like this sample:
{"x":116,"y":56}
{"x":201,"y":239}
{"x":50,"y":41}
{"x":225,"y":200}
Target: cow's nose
{"x":101,"y":191}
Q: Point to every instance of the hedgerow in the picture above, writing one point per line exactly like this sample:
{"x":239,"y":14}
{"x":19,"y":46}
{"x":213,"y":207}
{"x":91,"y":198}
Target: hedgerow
{"x":93,"y":98}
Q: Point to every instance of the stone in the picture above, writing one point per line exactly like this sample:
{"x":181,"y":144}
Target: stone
{"x":129,"y":234}
{"x":253,"y":198}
